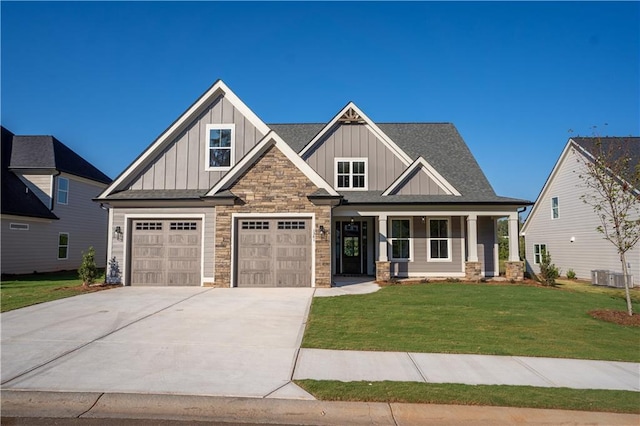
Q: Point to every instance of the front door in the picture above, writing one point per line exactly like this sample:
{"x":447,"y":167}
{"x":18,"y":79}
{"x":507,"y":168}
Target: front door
{"x":353,"y":251}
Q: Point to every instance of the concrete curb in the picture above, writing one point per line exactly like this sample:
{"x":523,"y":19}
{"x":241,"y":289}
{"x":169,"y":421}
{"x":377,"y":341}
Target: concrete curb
{"x":283,"y":411}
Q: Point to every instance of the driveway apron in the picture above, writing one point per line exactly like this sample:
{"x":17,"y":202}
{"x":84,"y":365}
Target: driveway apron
{"x":224,"y":342}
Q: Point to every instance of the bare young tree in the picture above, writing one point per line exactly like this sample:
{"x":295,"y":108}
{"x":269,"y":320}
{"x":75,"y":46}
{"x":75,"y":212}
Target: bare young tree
{"x":610,"y":173}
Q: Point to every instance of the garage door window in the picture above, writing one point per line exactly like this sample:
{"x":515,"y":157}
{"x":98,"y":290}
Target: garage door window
{"x":255,"y":224}
{"x":149,"y":226}
{"x":183,"y":226}
{"x":291,"y":224}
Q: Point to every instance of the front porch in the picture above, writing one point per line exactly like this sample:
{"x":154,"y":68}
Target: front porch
{"x":422,"y":243}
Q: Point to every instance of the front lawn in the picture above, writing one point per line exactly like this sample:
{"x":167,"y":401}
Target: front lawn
{"x":474,"y":319}
{"x":494,"y":395}
{"x":24,"y":290}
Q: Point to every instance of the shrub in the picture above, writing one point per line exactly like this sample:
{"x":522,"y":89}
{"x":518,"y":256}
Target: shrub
{"x":88,"y":272}
{"x":548,"y":271}
{"x":571,"y":274}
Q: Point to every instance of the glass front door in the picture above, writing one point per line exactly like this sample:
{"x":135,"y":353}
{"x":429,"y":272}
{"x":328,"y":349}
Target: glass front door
{"x":352,"y":247}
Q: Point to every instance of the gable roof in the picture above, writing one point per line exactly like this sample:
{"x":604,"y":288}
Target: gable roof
{"x":421,"y":164}
{"x":587,"y":146}
{"x":216,"y":90}
{"x":31,"y":153}
{"x":271,"y":139}
{"x":16,"y":198}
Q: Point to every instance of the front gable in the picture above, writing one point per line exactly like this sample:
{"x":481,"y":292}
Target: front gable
{"x":194,"y":152}
{"x":421,"y":179}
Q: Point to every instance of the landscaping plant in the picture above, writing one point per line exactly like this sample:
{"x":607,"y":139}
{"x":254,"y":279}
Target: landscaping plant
{"x":88,"y":271}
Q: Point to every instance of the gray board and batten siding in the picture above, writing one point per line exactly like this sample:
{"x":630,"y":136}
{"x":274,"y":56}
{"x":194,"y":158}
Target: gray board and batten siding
{"x":181,"y":165}
{"x":356,"y":141}
{"x":419,"y":183}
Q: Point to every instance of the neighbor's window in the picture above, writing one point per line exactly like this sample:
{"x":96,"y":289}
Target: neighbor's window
{"x":400,"y":239}
{"x":439,"y":240}
{"x":538,"y":251}
{"x":554,"y":208}
{"x":63,"y":190}
{"x":220,"y":146}
{"x":351,"y":173}
{"x":63,"y":246}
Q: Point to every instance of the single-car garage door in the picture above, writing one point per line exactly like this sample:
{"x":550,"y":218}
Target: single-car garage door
{"x":273,"y":252}
{"x":165,"y":252}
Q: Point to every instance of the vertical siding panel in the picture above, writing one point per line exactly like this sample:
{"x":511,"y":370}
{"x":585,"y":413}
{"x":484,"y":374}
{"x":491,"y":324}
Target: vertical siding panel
{"x":159,"y":173}
{"x":170,"y":168}
{"x":181,"y":162}
{"x":193,"y":158}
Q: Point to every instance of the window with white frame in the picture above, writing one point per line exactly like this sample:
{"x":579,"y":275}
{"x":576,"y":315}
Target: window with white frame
{"x":539,"y":251}
{"x":63,"y":190}
{"x":220,"y":153}
{"x":555,"y":212}
{"x":400,"y":239}
{"x":63,"y":246}
{"x":351,"y":173}
{"x":439,"y":240}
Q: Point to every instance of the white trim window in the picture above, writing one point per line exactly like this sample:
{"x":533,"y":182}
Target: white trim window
{"x":400,"y":239}
{"x":63,"y":245}
{"x":555,"y":210}
{"x":63,"y":190}
{"x":220,"y":146}
{"x":538,"y":251}
{"x":351,"y":174}
{"x":439,"y":240}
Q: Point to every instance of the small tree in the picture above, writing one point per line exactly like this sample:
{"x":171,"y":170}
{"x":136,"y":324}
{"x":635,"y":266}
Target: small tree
{"x":611,"y":176}
{"x":548,"y":271}
{"x":88,"y":272}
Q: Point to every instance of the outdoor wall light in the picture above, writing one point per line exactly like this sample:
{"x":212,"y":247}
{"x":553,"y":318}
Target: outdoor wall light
{"x":118,"y":233}
{"x":572,"y":239}
{"x":321,"y":230}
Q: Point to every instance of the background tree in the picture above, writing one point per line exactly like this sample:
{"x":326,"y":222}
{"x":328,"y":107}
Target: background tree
{"x":611,"y":174}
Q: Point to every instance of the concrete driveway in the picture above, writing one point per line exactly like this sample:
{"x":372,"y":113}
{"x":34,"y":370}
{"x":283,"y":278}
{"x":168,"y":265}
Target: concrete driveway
{"x":192,"y":341}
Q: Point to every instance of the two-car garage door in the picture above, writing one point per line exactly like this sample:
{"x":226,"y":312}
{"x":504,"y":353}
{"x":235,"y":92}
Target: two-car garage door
{"x":166,"y":252}
{"x":273,"y":252}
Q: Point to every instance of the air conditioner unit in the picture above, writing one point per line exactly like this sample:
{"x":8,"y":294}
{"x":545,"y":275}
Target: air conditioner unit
{"x":616,"y":279}
{"x":600,"y":277}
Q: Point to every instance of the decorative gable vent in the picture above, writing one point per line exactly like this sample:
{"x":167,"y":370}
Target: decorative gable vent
{"x":351,"y":117}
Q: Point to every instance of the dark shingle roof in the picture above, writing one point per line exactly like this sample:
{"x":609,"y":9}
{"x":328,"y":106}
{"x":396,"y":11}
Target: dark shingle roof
{"x":47,"y":152}
{"x":16,"y":198}
{"x":168,"y":194}
{"x":615,"y":146}
{"x":439,"y":144}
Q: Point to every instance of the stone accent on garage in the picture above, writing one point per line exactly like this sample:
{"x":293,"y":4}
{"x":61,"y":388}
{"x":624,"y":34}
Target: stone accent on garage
{"x":273,"y":185}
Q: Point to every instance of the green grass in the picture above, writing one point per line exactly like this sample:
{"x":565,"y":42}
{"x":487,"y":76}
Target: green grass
{"x":494,"y":395}
{"x":24,"y":290}
{"x":474,"y":319}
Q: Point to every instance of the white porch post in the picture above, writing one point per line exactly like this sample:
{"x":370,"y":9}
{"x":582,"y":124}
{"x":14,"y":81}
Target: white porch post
{"x":382,"y":238}
{"x":472,"y":237}
{"x":514,"y":255}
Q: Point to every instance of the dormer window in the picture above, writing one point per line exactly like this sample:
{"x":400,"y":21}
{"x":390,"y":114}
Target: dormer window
{"x":351,"y":174}
{"x":220,"y":146}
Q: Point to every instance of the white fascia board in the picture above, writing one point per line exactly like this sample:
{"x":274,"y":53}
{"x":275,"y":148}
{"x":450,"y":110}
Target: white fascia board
{"x":214,"y":91}
{"x":547,"y":183}
{"x":370,"y":125}
{"x":272,"y":138}
{"x":430,"y":171}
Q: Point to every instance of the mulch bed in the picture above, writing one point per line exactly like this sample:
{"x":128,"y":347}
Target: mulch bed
{"x":617,"y":317}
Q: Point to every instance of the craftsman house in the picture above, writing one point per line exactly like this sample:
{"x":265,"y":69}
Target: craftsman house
{"x":48,"y":216}
{"x":561,"y":224}
{"x":222,"y":199}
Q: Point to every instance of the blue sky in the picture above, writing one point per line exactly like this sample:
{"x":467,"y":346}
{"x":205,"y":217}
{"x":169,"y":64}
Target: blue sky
{"x":107,"y":78}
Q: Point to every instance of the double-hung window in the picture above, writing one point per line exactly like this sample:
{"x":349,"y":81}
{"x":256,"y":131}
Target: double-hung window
{"x":400,"y":239}
{"x":351,"y":173}
{"x":539,"y":251}
{"x":63,"y":190}
{"x":220,"y":153}
{"x":439,"y":240}
{"x":63,"y":246}
{"x":555,"y":212}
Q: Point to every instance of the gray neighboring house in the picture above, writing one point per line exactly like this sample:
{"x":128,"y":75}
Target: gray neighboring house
{"x":562,"y":224}
{"x":223,"y":199}
{"x":47,"y":213}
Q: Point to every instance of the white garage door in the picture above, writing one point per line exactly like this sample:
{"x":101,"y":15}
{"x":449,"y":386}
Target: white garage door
{"x":273,"y":252}
{"x":165,"y":252}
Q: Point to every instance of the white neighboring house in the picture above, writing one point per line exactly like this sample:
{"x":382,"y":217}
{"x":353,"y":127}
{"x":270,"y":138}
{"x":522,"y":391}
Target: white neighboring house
{"x":565,"y":226}
{"x":48,"y":217}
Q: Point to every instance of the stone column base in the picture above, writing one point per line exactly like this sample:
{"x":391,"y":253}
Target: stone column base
{"x":514,"y":270}
{"x":383,"y":270}
{"x":473,"y":271}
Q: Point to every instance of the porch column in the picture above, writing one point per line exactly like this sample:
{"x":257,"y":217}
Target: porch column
{"x":383,"y":266}
{"x":514,"y":255}
{"x":472,"y":238}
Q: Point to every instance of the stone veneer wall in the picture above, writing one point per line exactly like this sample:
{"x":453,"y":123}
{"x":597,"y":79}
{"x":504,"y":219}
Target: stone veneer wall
{"x":514,"y":270}
{"x":273,"y":185}
{"x":473,"y":271}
